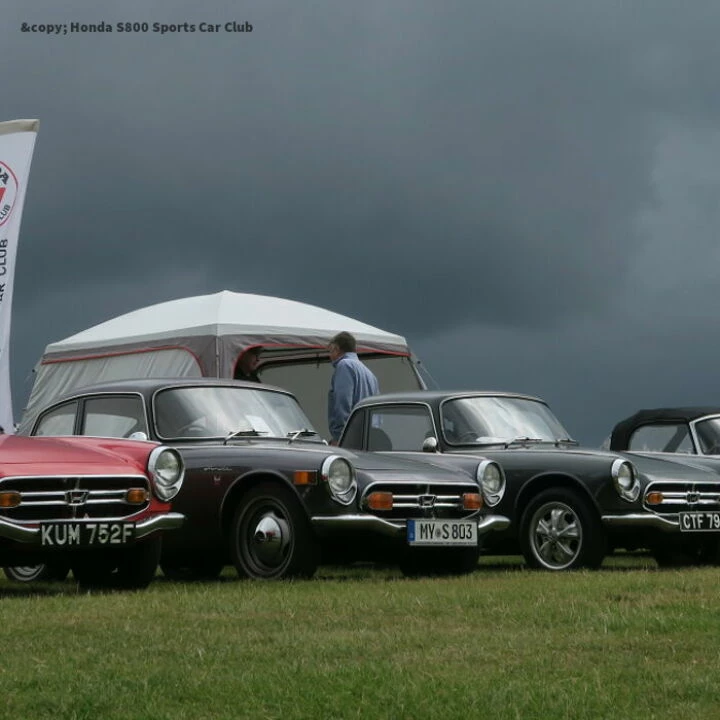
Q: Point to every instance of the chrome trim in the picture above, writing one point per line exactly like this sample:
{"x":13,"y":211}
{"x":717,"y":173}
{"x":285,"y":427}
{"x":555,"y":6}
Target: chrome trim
{"x":491,"y":499}
{"x":392,"y":528}
{"x":671,"y":523}
{"x":633,"y":492}
{"x":349,"y":495}
{"x":143,"y":528}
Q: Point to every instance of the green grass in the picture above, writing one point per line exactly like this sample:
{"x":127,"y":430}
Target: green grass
{"x":623,"y":642}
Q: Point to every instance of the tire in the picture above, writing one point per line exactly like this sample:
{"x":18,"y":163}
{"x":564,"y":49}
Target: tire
{"x":559,"y":530}
{"x":271,"y":537}
{"x":423,"y":562}
{"x":50,"y":572}
{"x":196,"y":570}
{"x":129,"y":569}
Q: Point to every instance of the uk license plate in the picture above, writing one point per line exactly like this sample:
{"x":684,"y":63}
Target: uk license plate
{"x":700,"y":521}
{"x":442,"y":532}
{"x":86,"y":534}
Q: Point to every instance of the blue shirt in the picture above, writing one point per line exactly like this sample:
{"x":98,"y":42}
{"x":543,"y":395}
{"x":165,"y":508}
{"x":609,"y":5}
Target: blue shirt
{"x":351,"y":382}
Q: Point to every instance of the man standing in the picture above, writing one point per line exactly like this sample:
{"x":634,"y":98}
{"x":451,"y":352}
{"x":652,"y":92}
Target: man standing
{"x":351,"y":382}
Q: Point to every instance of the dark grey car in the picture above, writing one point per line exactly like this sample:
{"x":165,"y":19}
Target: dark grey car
{"x":568,"y":506}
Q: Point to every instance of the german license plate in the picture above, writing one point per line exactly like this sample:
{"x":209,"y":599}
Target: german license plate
{"x":703,"y":521}
{"x":442,"y":532}
{"x":86,"y":534}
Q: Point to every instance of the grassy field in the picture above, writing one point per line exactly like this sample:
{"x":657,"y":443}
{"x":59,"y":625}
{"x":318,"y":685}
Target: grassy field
{"x":628,"y":641}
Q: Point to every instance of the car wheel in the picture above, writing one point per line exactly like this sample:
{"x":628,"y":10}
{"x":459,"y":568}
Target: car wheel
{"x":560,"y":531}
{"x":50,"y":572}
{"x":419,"y":562}
{"x":199,"y":570}
{"x":271,"y":537}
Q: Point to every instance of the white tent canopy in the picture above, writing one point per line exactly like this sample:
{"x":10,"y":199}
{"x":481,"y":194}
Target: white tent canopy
{"x":205,"y":335}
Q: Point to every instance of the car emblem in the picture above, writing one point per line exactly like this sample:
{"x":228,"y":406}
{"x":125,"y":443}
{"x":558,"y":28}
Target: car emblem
{"x":427,"y":501}
{"x":693,"y":496}
{"x":76,"y":497}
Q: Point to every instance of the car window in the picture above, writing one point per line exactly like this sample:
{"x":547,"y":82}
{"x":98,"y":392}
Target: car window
{"x":58,"y":421}
{"x":399,"y":428}
{"x":353,"y":435}
{"x":113,"y":416}
{"x":665,"y":437}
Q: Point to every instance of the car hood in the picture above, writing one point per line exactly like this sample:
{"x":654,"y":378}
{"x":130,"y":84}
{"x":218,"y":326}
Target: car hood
{"x":379,"y":462}
{"x":58,"y":456}
{"x":684,"y":466}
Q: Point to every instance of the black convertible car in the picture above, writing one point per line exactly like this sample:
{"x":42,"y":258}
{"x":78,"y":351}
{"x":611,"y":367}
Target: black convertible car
{"x":264,"y":492}
{"x":568,"y":506}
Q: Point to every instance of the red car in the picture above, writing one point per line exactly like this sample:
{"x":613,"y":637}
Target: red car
{"x":97,"y":506}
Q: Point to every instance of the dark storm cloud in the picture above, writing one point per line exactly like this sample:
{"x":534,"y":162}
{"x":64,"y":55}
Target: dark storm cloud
{"x":500,"y":171}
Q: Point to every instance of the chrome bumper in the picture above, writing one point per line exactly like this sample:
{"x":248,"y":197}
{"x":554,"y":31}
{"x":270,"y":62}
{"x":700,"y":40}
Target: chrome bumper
{"x":669,"y":524}
{"x":391,"y":528}
{"x":143,"y":528}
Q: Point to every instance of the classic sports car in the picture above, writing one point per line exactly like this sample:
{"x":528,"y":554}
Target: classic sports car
{"x":686,"y":430}
{"x":690,"y":435}
{"x":568,"y":506}
{"x":263,"y":491}
{"x":96,"y":506}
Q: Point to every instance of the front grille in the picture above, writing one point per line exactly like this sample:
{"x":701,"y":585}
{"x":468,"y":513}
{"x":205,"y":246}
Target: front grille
{"x":69,"y":497}
{"x":421,"y":500}
{"x":679,"y":496}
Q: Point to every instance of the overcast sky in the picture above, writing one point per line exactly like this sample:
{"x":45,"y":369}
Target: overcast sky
{"x":526,"y":190}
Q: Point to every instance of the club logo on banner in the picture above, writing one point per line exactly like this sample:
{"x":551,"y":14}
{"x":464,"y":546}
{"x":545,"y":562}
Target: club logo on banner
{"x":17,"y":140}
{"x":8,"y":192}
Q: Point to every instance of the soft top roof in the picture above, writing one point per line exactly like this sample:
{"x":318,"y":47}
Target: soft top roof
{"x":620,"y":437}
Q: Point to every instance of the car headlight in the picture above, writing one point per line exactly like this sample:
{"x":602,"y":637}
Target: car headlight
{"x":167,"y":470}
{"x":339,"y":474}
{"x":491,"y":478}
{"x":625,"y":480}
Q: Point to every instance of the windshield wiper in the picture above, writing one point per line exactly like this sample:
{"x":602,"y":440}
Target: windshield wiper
{"x":295,"y":434}
{"x":565,"y":441}
{"x":242,"y":433}
{"x":523,"y":441}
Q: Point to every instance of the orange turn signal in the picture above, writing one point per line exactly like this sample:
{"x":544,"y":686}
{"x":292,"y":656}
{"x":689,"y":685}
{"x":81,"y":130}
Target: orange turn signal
{"x":304,"y":477}
{"x":472,"y":501}
{"x":137,"y":496}
{"x":10,"y":499}
{"x":654,"y":498}
{"x":380,"y":501}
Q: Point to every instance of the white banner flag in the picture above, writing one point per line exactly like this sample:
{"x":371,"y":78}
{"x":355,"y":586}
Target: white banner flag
{"x":17,"y":140}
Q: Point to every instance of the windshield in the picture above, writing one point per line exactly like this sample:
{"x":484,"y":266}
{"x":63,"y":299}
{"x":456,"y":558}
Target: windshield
{"x":216,"y":412}
{"x":708,"y":433}
{"x":495,"y":420}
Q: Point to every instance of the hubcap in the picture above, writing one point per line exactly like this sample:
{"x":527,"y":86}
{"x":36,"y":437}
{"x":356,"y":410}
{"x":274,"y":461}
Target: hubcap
{"x":270,"y":540}
{"x":26,"y":573}
{"x":556,"y":535}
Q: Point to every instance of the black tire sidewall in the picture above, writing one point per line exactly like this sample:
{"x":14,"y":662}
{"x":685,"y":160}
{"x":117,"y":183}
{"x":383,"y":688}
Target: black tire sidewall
{"x":592,"y":544}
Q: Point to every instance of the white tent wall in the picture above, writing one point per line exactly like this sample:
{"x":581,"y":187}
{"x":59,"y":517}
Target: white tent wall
{"x":57,"y":378}
{"x":205,"y":335}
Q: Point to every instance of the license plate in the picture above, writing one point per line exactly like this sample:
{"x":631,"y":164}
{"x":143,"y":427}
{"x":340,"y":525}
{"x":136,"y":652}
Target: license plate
{"x":442,"y":532}
{"x":705,"y":521}
{"x":86,"y":534}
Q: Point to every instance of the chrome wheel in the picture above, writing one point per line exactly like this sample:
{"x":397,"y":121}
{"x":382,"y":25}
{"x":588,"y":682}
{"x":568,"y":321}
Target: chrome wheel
{"x":557,"y":536}
{"x":34,"y":573}
{"x":561,"y":530}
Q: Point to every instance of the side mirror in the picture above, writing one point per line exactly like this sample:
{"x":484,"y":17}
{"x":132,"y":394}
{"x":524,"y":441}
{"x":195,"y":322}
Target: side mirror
{"x":430,"y":444}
